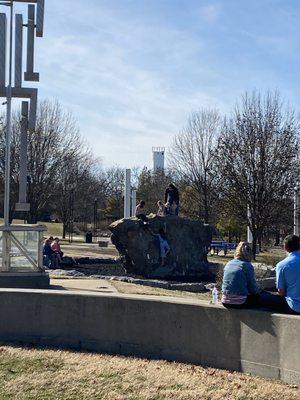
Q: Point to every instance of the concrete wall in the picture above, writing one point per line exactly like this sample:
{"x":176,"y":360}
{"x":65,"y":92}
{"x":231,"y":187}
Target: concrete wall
{"x":183,"y":330}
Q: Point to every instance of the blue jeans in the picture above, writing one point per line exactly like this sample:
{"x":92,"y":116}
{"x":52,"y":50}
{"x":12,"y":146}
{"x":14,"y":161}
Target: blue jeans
{"x":275,"y":302}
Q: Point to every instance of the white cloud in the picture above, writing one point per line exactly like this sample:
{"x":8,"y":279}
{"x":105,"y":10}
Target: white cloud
{"x":211,"y":12}
{"x":122,"y":78}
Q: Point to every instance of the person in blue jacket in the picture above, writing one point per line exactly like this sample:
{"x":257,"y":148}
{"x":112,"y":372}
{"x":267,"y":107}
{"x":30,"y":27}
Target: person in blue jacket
{"x":239,"y":288}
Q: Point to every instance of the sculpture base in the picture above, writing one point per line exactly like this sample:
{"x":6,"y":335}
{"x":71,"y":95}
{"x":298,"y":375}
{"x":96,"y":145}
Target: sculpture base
{"x":24,"y":280}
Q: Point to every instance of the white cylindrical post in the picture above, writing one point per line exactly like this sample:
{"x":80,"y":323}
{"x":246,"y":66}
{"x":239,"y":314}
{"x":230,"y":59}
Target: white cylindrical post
{"x":296,"y":210}
{"x":249,"y":233}
{"x":133,"y":202}
{"x":127,"y":193}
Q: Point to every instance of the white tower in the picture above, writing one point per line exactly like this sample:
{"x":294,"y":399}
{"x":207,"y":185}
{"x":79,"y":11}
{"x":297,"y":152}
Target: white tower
{"x":158,"y":158}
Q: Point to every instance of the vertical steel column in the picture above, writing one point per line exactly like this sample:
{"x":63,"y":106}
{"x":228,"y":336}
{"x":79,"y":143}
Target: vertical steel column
{"x":127,"y":193}
{"x":3,"y":35}
{"x":6,"y":235}
{"x":8,"y":124}
{"x":40,"y":18}
{"x":18,"y":49}
{"x":23,"y":155}
{"x":29,"y":74}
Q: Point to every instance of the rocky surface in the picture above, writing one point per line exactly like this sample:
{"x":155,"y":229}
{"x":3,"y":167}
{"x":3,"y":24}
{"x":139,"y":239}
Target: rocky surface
{"x":138,"y":246}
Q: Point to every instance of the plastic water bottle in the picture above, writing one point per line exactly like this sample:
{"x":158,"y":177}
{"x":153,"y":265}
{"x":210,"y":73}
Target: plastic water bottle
{"x":214,"y":294}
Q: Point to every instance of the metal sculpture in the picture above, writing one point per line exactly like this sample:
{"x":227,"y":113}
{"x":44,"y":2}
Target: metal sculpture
{"x":12,"y":30}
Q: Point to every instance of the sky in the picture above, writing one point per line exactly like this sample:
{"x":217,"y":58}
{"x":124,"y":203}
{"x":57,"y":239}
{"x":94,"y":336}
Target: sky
{"x":131,"y":71}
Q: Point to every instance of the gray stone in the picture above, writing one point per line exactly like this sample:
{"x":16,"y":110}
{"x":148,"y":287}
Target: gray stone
{"x":267,"y":283}
{"x":189,"y":287}
{"x":138,"y":246}
{"x":63,"y":272}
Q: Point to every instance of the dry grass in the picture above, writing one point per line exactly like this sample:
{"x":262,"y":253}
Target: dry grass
{"x":84,"y":251}
{"x":27,"y":374}
{"x":270,"y":257}
{"x":131,"y":288}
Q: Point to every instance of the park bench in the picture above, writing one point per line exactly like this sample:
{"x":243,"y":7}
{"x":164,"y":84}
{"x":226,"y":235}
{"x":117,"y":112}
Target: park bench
{"x":221,"y":245}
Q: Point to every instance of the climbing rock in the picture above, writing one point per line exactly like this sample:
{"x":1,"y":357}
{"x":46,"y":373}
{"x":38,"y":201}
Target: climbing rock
{"x":138,"y":245}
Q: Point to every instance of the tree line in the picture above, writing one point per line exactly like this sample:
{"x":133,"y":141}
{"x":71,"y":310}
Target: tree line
{"x":232,"y":171}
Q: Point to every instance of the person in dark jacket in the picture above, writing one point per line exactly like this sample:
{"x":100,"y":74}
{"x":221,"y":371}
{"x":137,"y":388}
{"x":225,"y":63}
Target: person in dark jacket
{"x":47,"y":254}
{"x":172,"y":199}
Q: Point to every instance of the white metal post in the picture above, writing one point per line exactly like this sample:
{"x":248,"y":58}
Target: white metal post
{"x":133,"y":202}
{"x":127,"y":193}
{"x":249,"y":233}
{"x":296,"y":210}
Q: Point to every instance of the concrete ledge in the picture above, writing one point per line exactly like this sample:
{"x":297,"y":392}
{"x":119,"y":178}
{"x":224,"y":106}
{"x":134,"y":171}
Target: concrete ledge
{"x":26,"y":280}
{"x":184,"y":330}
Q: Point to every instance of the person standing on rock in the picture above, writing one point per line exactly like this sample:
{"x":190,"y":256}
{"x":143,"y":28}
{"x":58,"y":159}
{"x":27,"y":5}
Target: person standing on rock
{"x":140,"y":211}
{"x":172,"y":199}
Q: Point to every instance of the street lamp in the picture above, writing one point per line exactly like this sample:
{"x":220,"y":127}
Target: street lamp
{"x":296,"y":208}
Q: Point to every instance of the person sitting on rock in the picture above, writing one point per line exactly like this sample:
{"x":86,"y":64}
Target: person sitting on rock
{"x":239,"y":288}
{"x":164,"y":247}
{"x":162,"y":211}
{"x":140,"y":211}
{"x":55,"y":246}
{"x":287,"y":300}
{"x":47,"y":253}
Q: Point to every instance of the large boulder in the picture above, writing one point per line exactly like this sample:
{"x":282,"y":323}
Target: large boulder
{"x":138,"y":245}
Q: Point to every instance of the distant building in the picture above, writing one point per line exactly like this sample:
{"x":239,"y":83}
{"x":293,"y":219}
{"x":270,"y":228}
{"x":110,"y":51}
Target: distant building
{"x":158,"y":158}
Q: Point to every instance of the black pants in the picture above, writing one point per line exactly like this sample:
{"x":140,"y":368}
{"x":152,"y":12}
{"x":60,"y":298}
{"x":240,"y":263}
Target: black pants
{"x":252,"y":301}
{"x":142,"y":217}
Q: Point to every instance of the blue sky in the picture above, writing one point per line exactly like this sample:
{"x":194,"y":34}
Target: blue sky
{"x":131,"y":71}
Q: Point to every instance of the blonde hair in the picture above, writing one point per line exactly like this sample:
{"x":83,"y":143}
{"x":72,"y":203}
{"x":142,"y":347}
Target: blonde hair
{"x":243,"y":251}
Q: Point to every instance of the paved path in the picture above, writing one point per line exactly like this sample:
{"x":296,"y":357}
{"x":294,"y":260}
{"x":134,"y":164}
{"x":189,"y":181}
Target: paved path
{"x":84,"y":285}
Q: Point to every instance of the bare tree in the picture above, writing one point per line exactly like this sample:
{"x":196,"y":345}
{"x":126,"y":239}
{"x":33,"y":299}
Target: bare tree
{"x":257,"y":159}
{"x":193,"y":160}
{"x":114,"y":192}
{"x":152,"y":186}
{"x":55,"y":150}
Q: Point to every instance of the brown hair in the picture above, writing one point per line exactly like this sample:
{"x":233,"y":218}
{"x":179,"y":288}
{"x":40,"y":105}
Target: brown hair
{"x":291,"y":243}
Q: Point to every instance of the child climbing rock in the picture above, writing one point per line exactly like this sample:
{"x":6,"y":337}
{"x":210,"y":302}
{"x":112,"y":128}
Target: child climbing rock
{"x":164,"y":247}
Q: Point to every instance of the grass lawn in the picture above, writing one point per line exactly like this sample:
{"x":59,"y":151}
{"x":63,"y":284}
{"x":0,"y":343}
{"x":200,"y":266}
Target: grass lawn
{"x":31,"y":374}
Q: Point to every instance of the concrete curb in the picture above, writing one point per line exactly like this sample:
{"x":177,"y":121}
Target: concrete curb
{"x":185,"y":330}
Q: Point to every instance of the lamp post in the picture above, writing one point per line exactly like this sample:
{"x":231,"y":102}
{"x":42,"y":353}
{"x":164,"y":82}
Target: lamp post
{"x":296,"y":209}
{"x":95,"y":217}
